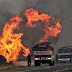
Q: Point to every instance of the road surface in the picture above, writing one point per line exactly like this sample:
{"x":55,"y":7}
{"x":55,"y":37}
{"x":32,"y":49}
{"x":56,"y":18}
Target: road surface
{"x":61,"y":67}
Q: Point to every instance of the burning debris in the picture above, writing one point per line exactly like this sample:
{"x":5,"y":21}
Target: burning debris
{"x":10,"y":43}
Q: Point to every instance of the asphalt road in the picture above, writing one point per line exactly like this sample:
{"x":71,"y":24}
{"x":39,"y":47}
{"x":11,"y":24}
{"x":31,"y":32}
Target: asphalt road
{"x":43,"y":68}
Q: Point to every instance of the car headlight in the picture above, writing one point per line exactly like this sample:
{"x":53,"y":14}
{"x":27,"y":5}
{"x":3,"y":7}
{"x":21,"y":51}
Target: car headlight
{"x":49,"y":58}
{"x":37,"y":58}
{"x":68,"y":58}
{"x":59,"y":59}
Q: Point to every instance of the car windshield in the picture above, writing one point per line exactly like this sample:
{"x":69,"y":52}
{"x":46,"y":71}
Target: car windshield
{"x":41,"y":48}
{"x":64,"y":56}
{"x":64,"y":50}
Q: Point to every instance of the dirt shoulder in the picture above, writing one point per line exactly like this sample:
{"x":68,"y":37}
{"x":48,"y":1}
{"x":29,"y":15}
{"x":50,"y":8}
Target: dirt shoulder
{"x":7,"y":66}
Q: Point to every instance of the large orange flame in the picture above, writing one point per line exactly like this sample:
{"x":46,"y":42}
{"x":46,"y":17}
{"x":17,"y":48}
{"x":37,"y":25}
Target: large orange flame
{"x":52,"y":27}
{"x":10,"y":43}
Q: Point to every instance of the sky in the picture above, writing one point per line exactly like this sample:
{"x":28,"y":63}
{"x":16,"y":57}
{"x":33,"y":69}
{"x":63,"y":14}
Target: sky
{"x":61,"y":9}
